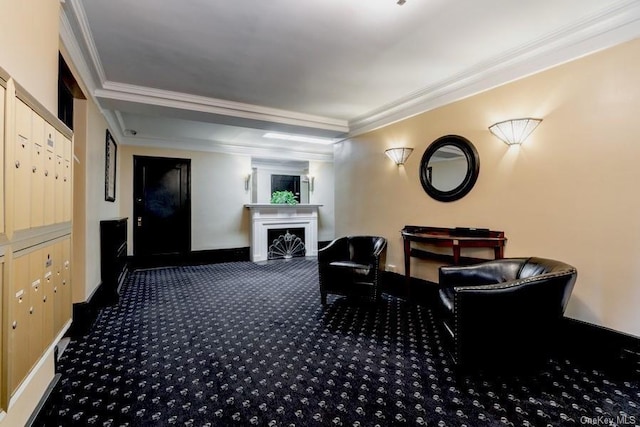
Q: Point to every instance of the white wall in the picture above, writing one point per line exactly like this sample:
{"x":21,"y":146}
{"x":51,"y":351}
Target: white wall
{"x":219,"y":219}
{"x":97,"y":208}
{"x":323,"y":194}
{"x":570,"y":192}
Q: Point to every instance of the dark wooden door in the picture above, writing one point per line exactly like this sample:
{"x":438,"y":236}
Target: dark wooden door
{"x":161,"y":206}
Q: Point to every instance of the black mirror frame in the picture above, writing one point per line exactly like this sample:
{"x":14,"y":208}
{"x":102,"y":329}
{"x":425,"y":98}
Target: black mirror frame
{"x":473,"y":168}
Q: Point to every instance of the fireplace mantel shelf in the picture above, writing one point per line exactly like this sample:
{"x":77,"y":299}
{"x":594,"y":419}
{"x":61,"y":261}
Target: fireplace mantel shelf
{"x":280,"y":206}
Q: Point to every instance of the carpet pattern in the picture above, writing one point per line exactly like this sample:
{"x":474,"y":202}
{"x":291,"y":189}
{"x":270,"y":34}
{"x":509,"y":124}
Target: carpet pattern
{"x":249,"y":344}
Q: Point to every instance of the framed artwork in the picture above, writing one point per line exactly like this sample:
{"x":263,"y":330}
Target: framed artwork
{"x":111,"y":151}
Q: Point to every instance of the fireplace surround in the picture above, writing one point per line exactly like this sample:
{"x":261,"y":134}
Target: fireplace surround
{"x":266,"y":216}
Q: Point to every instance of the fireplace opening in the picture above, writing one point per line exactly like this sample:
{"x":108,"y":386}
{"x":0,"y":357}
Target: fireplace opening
{"x":286,"y":243}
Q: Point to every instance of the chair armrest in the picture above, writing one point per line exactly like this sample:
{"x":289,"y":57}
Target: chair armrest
{"x":337,"y":249}
{"x":380,"y":256}
{"x":380,"y":250}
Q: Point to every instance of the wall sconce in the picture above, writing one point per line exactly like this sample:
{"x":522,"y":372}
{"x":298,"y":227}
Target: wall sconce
{"x":247,"y":180}
{"x":514,"y":131}
{"x":399,"y":154}
{"x":312,"y":182}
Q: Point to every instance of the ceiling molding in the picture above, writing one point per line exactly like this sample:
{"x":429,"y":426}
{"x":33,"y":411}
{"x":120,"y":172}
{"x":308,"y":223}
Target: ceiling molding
{"x":164,"y":98}
{"x":615,"y":25}
{"x":74,"y":50}
{"x":279,"y":164}
{"x":114,"y":125}
{"x":86,"y":76}
{"x":219,"y":147}
{"x":87,"y":37}
{"x":120,"y":119}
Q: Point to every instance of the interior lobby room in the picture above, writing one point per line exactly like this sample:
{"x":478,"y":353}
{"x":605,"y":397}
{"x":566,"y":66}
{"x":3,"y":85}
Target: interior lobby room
{"x":149,"y":276}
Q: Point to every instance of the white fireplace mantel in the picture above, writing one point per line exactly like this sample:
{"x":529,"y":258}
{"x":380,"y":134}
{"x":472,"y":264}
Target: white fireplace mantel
{"x":266,"y":216}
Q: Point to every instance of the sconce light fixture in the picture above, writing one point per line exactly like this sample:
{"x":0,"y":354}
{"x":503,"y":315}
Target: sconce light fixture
{"x":399,"y":154}
{"x":312,"y":182}
{"x":247,"y":180}
{"x":514,"y":131}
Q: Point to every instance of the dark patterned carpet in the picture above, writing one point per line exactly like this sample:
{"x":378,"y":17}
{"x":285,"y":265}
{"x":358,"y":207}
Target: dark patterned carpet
{"x":249,"y":344}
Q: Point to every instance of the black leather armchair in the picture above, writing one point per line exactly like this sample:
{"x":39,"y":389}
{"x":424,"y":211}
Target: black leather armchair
{"x":505,"y":310}
{"x":351,"y":266}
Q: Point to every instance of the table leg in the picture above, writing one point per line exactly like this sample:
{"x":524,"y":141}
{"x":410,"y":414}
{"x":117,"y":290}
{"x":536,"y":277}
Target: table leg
{"x":499,"y":252}
{"x":407,"y":266}
{"x":456,"y":254}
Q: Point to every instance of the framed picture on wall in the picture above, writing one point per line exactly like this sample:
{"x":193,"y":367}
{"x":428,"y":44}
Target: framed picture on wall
{"x":111,"y":152}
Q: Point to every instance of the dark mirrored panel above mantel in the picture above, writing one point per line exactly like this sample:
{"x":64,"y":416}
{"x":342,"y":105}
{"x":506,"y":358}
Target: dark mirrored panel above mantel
{"x":271,"y":175}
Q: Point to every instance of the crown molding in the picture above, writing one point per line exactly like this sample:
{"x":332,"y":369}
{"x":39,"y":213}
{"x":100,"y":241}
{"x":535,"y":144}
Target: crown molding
{"x":224,"y":148}
{"x":120,"y":120}
{"x":617,"y":24}
{"x":86,"y":76}
{"x":183,"y":101}
{"x":74,"y":50}
{"x":76,"y":8}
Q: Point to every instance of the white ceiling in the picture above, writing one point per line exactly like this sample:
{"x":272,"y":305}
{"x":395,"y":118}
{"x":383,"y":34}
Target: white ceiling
{"x":214,"y":75}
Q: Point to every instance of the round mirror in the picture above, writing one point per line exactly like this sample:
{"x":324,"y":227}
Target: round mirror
{"x":449,"y":168}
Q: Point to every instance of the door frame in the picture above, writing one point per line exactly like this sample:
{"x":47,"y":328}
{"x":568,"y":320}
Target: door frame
{"x":141,"y":158}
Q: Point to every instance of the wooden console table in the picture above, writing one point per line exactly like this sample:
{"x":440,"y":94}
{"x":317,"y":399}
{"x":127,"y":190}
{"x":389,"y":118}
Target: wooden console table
{"x":455,"y":238}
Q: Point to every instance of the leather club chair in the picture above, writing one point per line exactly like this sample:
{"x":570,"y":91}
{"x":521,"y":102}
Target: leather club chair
{"x":504,"y":312}
{"x":351,"y":266}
